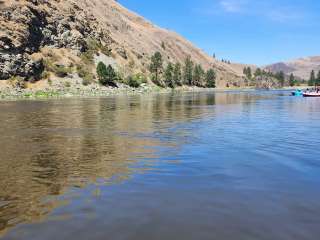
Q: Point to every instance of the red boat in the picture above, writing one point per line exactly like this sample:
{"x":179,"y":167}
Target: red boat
{"x":311,"y":94}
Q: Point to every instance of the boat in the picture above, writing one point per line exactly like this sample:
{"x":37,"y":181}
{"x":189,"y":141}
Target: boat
{"x":311,"y":94}
{"x":297,"y":93}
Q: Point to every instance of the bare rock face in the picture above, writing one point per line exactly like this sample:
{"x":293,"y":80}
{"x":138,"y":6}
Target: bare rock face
{"x":27,"y":26}
{"x":20,"y":65}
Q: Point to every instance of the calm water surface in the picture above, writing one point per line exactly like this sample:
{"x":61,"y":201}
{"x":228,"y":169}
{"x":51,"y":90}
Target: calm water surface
{"x":216,"y":166}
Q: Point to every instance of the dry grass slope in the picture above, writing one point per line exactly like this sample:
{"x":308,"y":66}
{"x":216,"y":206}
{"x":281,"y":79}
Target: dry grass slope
{"x":131,"y":39}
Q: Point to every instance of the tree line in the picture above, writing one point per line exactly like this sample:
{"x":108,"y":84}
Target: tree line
{"x":314,"y":80}
{"x":279,"y":76}
{"x":169,"y":75}
{"x":178,"y":74}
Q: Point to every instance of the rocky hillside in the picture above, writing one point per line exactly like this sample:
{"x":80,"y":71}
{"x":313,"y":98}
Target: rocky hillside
{"x":41,"y":37}
{"x":300,"y":67}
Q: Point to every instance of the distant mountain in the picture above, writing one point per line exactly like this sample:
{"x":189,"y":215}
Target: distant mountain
{"x":299,"y":67}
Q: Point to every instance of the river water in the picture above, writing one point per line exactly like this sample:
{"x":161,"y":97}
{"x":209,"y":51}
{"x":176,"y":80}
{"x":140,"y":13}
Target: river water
{"x":224,"y":165}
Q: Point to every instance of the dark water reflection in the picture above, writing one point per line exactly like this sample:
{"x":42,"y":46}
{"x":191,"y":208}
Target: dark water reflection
{"x":193,"y":166}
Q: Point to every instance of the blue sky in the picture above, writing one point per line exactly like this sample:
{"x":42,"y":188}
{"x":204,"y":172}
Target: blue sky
{"x":246,"y":31}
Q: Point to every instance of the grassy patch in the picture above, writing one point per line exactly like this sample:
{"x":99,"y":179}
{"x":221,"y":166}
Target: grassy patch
{"x":96,"y":46}
{"x":85,"y":73}
{"x":58,"y":70}
{"x":43,"y":94}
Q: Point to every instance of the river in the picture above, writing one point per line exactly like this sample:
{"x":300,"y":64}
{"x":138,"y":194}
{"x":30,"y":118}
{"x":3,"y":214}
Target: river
{"x":219,"y":165}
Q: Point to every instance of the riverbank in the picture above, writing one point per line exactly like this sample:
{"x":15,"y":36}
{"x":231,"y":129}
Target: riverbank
{"x":65,"y":88}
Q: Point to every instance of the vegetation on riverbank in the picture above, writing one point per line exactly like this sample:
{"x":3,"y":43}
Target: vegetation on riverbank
{"x":268,"y":79}
{"x":169,"y":76}
{"x":279,"y":78}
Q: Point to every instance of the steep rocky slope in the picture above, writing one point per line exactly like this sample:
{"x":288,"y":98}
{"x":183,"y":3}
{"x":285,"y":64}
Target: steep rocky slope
{"x":31,"y":31}
{"x":299,"y":67}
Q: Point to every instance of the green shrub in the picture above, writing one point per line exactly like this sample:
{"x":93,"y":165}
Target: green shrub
{"x":133,"y":82}
{"x":136,"y":80}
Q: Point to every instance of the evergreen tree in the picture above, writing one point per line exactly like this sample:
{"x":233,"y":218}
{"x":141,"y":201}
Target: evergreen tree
{"x":281,"y":78}
{"x":111,"y":75}
{"x":188,"y":70}
{"x":198,"y":76}
{"x":156,"y":66}
{"x":106,"y":75}
{"x":169,"y":76}
{"x":258,"y":72}
{"x":177,"y":74}
{"x":312,"y":80}
{"x":292,"y":80}
{"x":211,"y":78}
{"x":101,"y":71}
{"x":318,"y":79}
{"x":247,"y":72}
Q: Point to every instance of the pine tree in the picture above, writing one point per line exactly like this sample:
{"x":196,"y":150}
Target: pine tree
{"x":188,"y":70}
{"x":198,"y":76}
{"x":169,"y":75}
{"x":106,"y":75}
{"x":318,"y":79}
{"x":211,"y":78}
{"x":312,"y":80}
{"x":111,"y":75}
{"x":156,"y":66}
{"x":101,"y":71}
{"x":281,"y":78}
{"x":177,"y":74}
{"x":292,"y":80}
{"x":247,"y":72}
{"x":258,"y":72}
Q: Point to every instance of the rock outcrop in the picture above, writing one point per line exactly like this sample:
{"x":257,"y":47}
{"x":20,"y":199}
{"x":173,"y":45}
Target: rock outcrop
{"x":27,"y":26}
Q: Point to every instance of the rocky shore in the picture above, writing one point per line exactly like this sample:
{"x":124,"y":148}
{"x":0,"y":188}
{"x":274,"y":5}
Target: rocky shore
{"x":93,"y":90}
{"x":72,"y":87}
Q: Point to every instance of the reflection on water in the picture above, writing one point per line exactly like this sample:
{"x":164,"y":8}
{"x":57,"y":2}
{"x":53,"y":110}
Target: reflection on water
{"x":212,"y":163}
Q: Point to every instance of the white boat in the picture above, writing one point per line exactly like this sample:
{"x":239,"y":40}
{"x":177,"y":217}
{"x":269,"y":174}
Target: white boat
{"x":311,"y":94}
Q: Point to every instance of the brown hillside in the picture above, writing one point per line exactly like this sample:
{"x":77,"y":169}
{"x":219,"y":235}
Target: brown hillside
{"x":301,"y":67}
{"x":29,"y":26}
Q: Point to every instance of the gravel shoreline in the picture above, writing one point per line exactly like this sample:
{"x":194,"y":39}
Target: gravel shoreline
{"x":68,"y":89}
{"x":92,"y":90}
